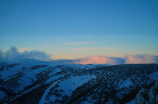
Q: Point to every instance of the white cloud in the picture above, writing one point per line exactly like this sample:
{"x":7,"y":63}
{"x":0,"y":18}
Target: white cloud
{"x":24,"y":49}
{"x":100,"y":60}
{"x":129,"y":59}
{"x":14,"y":54}
{"x":141,"y":59}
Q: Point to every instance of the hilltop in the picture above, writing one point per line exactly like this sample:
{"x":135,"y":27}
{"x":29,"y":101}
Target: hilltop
{"x":45,"y":82}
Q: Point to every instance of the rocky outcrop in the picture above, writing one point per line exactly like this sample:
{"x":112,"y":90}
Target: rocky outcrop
{"x":148,"y":96}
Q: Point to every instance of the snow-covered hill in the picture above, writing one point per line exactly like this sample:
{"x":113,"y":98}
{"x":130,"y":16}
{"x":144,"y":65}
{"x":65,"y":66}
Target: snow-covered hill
{"x":34,"y":82}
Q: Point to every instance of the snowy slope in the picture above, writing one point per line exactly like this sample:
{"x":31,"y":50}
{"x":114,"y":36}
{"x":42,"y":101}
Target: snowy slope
{"x":46,"y":82}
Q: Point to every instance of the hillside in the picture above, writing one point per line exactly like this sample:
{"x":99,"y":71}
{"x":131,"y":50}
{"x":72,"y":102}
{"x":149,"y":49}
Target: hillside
{"x":33,"y":82}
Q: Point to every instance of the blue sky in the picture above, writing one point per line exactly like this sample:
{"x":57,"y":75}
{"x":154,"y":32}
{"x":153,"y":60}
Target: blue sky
{"x":70,"y":29}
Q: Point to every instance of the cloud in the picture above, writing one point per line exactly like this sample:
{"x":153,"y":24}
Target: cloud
{"x":128,"y":59}
{"x":88,"y":48}
{"x":24,"y":49}
{"x":14,"y":54}
{"x":80,"y":43}
{"x":100,"y":60}
{"x":141,"y":59}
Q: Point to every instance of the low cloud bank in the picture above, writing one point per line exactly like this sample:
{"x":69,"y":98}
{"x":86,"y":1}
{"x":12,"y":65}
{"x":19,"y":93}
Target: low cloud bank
{"x":129,"y":59}
{"x":14,"y":54}
{"x":141,"y":59}
{"x":100,"y":60}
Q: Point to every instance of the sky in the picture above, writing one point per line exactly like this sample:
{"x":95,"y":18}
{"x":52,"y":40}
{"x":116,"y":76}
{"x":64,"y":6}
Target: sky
{"x":72,"y":29}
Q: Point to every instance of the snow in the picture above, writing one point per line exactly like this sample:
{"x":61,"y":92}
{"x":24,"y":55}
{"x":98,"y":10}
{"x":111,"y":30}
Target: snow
{"x":54,"y":71}
{"x":28,"y":78}
{"x":110,"y":101}
{"x":43,"y":100}
{"x":131,"y":102}
{"x":53,"y":78}
{"x":86,"y":102}
{"x":2,"y":94}
{"x":87,"y":66}
{"x":74,"y":82}
{"x":67,"y":85}
{"x":24,"y":63}
{"x":33,"y":73}
{"x":5,"y":68}
{"x":11,"y":71}
{"x":126,"y":83}
{"x":154,"y":76}
{"x":67,"y":78}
